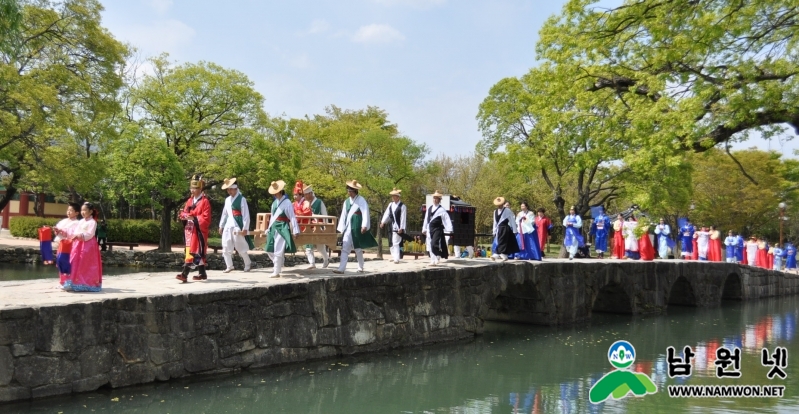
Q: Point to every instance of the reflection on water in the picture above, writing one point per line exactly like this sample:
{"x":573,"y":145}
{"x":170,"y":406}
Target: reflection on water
{"x":511,"y":369}
{"x":19,"y":271}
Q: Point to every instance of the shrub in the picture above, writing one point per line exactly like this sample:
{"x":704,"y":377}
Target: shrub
{"x":131,"y":231}
{"x":28,"y":226}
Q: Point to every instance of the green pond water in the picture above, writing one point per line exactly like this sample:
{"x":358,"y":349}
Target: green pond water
{"x":15,"y":271}
{"x":512,"y":368}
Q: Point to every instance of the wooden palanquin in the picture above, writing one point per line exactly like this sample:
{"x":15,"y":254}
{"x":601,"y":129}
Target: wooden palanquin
{"x":313,"y":229}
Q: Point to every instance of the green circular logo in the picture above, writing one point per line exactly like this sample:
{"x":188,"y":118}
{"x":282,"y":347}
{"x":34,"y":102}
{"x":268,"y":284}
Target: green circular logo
{"x":621,"y":354}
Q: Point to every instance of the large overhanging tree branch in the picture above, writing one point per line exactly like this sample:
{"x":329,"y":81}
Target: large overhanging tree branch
{"x":688,"y":74}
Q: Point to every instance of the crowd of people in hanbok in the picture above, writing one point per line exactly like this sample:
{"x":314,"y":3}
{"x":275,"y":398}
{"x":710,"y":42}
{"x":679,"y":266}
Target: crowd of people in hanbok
{"x":522,"y":237}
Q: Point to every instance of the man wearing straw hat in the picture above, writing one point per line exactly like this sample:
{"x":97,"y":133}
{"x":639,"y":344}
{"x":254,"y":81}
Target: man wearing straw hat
{"x":196,"y":218}
{"x":354,"y":227}
{"x":396,"y":213}
{"x":235,"y":218}
{"x":504,"y":231}
{"x":318,"y":208}
{"x":282,"y":224}
{"x":436,"y":225}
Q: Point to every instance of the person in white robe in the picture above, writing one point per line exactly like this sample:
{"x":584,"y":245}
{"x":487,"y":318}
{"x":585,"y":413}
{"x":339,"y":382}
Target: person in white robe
{"x":396,"y":213}
{"x":230,"y":228}
{"x":354,"y":225}
{"x":630,"y":239}
{"x":702,"y":242}
{"x":662,"y":231}
{"x":436,"y":225}
{"x":504,"y":231}
{"x":751,"y":251}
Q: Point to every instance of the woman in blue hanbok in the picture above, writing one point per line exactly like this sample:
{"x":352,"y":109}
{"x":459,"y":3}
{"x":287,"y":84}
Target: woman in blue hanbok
{"x":527,"y":236}
{"x":778,"y":257}
{"x":790,"y":257}
{"x":572,"y":238}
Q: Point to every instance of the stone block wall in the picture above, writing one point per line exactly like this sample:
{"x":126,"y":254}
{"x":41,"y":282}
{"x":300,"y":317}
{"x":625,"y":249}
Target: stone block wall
{"x":80,"y":347}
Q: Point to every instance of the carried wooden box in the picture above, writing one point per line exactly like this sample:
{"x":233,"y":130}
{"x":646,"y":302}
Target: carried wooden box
{"x":313,"y":229}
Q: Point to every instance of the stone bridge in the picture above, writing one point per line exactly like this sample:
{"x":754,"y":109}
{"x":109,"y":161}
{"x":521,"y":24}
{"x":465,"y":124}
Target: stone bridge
{"x":567,"y":292}
{"x":145,"y":327}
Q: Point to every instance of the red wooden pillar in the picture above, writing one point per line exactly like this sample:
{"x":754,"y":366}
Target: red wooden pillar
{"x":23,"y":203}
{"x":6,"y":215}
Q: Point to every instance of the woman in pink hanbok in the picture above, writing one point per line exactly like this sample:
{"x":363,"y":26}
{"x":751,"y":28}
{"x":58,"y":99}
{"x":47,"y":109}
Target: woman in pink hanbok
{"x":86,"y":266}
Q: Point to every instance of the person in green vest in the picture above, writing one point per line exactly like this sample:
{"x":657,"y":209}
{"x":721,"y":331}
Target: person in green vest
{"x":354,"y":227}
{"x":282,"y":224}
{"x":235,"y":218}
{"x":318,"y":208}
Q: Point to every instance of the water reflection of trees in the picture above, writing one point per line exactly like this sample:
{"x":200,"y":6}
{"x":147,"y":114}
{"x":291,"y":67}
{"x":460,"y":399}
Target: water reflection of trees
{"x":511,"y":368}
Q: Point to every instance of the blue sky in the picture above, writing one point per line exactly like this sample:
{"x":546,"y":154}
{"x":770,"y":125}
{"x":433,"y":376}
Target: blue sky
{"x":428,"y":63}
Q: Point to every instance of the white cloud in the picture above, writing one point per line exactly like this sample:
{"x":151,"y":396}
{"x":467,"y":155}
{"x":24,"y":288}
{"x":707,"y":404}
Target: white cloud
{"x":318,"y":26}
{"x":160,"y":36}
{"x":377,"y":33}
{"x":160,"y":6}
{"x":417,"y":4}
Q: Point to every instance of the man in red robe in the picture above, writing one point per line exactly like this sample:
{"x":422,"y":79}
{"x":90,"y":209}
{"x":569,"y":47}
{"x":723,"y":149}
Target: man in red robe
{"x":196,"y":218}
{"x":544,"y":224}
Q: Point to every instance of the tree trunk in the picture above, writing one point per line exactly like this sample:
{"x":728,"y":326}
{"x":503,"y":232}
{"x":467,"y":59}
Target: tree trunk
{"x":11,"y":191}
{"x":165,"y":244}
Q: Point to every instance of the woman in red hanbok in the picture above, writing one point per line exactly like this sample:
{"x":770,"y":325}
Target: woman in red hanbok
{"x":714,"y":249}
{"x":86,"y":273}
{"x":695,"y":242}
{"x":618,"y":238}
{"x":645,"y":248}
{"x":770,"y":260}
{"x":762,"y":254}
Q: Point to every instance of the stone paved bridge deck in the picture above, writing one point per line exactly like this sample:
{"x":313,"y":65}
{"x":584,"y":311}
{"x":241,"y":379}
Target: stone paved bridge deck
{"x":145,"y":327}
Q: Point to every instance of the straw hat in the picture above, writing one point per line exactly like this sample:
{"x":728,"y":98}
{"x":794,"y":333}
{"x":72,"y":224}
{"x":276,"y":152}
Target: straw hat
{"x":306,"y":189}
{"x":354,"y":184}
{"x":395,"y":192}
{"x":276,"y":186}
{"x":437,"y":194}
{"x":499,"y":201}
{"x":229,"y":183}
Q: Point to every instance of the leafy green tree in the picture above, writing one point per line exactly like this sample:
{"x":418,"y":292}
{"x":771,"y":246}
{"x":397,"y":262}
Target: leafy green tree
{"x":10,"y":19}
{"x":684,"y":74}
{"x":59,"y":71}
{"x":575,"y":146}
{"x":270,"y":155}
{"x":357,"y":144}
{"x":724,"y":197}
{"x":203,"y":113}
{"x":145,"y":171}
